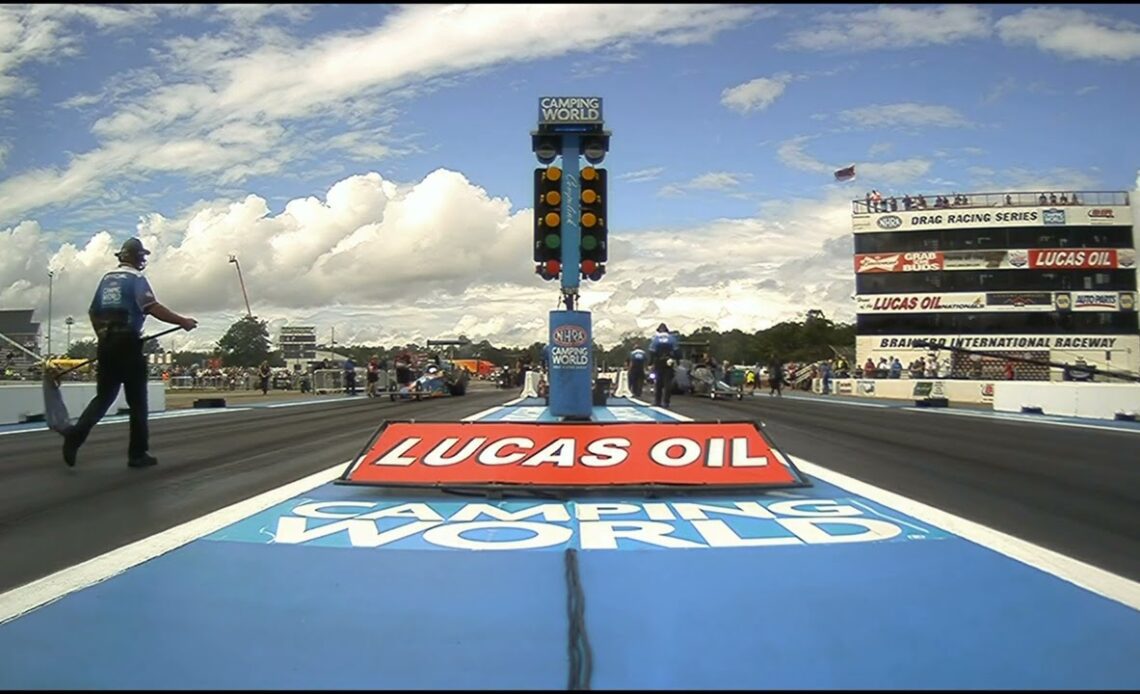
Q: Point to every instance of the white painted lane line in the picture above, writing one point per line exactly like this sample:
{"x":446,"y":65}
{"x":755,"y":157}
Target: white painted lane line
{"x":1016,"y":418}
{"x":21,"y":600}
{"x":123,"y":419}
{"x":1079,"y":573}
{"x":828,"y":401}
{"x":47,"y":590}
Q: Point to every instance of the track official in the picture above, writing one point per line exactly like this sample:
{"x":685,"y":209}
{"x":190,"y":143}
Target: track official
{"x":636,"y":366}
{"x":118,"y":310}
{"x":664,"y":351}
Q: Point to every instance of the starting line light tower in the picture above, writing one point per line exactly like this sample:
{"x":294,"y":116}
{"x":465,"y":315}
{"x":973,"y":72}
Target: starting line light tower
{"x":570,"y":236}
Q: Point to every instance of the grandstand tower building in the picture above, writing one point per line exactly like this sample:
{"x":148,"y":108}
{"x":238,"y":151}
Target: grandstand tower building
{"x":1045,"y":276}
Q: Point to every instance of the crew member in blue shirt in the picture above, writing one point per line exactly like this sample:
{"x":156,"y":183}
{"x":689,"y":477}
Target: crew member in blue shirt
{"x":118,"y":310}
{"x":636,"y":367}
{"x":664,"y":353}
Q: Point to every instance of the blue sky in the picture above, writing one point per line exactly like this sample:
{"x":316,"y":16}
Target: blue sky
{"x":216,"y":129}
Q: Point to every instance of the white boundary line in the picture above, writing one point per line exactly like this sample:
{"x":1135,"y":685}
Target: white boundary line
{"x":1017,"y":418}
{"x":1103,"y":583}
{"x":195,"y":412}
{"x":827,"y":401}
{"x":48,"y":589}
{"x":154,"y":416}
{"x":1077,"y":572}
{"x":993,"y":416}
{"x":19,"y":601}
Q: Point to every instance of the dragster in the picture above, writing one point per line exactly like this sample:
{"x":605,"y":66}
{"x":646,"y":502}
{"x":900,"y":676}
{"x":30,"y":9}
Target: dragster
{"x":441,"y":378}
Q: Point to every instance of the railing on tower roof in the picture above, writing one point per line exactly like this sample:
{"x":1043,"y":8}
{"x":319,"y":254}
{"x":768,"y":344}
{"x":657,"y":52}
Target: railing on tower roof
{"x":1087,"y":198}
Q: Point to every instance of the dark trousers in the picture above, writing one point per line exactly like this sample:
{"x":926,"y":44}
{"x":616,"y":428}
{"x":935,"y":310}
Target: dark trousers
{"x":121,"y":363}
{"x":663,"y":387}
{"x":636,"y":381}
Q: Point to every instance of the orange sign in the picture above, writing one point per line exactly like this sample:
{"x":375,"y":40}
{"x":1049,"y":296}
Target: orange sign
{"x":572,"y":455}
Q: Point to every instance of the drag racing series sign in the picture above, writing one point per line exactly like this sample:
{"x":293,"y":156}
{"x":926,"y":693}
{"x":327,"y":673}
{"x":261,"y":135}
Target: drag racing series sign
{"x":572,"y":455}
{"x":921,"y":220}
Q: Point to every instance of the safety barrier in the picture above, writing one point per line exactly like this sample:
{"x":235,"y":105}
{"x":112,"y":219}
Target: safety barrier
{"x":956,"y":391}
{"x":22,"y":403}
{"x":1092,"y":400}
{"x":530,"y":386}
{"x":622,"y":390}
{"x":332,"y":380}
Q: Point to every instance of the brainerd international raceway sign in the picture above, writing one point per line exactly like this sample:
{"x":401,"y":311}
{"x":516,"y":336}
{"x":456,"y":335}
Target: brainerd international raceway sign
{"x":571,"y":455}
{"x":766,"y":521}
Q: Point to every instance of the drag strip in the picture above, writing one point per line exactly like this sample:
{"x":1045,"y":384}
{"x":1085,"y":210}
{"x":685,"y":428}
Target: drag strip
{"x":52,"y":516}
{"x":1073,"y":490}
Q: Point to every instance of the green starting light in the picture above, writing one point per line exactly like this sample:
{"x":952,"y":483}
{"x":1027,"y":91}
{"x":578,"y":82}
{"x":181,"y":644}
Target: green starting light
{"x":553,"y":241}
{"x":589,"y":243}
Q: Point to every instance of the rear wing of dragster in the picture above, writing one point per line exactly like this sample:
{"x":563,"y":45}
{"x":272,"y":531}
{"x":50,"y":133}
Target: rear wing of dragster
{"x":448,"y":343}
{"x":1071,"y":368}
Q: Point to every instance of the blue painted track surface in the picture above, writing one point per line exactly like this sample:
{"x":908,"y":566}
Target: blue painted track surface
{"x":274,"y":602}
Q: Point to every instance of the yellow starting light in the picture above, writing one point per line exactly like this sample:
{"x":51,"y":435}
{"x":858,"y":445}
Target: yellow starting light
{"x":589,"y":196}
{"x":551,"y":219}
{"x":589,"y":219}
{"x":552,"y":197}
{"x":589,"y":174}
{"x":553,"y":173}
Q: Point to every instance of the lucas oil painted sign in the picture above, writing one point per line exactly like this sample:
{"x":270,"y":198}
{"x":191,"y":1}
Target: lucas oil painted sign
{"x":572,"y":455}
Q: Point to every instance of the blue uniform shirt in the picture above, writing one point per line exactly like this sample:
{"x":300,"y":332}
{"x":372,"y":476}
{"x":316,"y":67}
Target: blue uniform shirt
{"x":637,"y":359}
{"x":663,"y":346}
{"x":121,"y":300}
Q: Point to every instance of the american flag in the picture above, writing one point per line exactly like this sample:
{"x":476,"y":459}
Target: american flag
{"x":847,"y":174}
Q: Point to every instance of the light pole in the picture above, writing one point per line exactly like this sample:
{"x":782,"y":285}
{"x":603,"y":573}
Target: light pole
{"x":70,"y":322}
{"x":51,"y":279}
{"x":234,"y":260}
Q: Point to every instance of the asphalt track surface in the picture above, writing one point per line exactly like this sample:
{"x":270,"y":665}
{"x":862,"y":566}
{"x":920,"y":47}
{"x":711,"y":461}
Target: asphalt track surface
{"x":1073,"y":490}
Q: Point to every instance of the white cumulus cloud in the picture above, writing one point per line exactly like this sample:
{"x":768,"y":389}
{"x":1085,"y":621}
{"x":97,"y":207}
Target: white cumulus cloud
{"x":382,"y":261}
{"x":904,"y":115}
{"x":713,"y":180}
{"x":755,"y":95}
{"x":891,"y":27}
{"x":257,"y":85}
{"x":1072,"y":33}
{"x":899,"y":171}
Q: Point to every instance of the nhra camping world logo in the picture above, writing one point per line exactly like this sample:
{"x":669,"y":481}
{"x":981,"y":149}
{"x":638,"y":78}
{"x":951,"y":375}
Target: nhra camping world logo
{"x":889,"y":222}
{"x":1053,"y":216}
{"x":569,"y":336}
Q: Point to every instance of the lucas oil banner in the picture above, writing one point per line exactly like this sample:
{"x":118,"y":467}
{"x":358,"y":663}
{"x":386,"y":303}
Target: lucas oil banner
{"x":572,"y":455}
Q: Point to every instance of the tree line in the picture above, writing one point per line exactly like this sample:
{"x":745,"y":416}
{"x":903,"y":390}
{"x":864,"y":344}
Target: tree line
{"x":247,"y":343}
